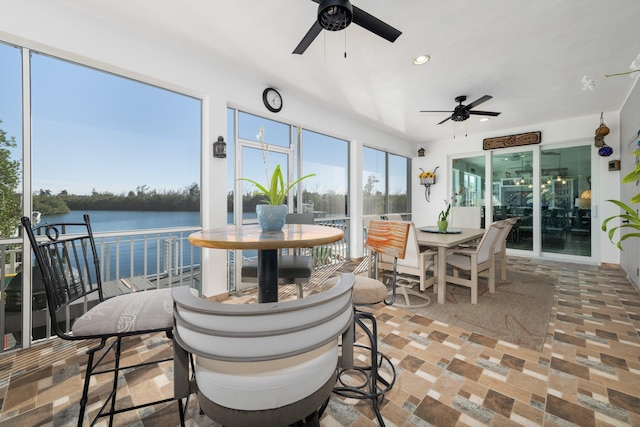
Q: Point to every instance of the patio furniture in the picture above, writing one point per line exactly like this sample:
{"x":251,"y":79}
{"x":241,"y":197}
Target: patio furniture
{"x":393,"y":217}
{"x":474,"y":261}
{"x":294,"y":268}
{"x":267,"y":244}
{"x":500,"y":248}
{"x":364,"y":380}
{"x":465,"y":216}
{"x":68,"y":261}
{"x":416,"y":262}
{"x":430,"y":237}
{"x":261,"y":364}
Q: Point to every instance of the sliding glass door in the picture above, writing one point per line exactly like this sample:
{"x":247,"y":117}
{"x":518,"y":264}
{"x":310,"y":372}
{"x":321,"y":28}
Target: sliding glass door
{"x":547,"y":188}
{"x":513,"y":195}
{"x":565,"y":194}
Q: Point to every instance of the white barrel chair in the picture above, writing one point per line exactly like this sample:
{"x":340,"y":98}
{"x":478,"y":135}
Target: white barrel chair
{"x":270,"y":364}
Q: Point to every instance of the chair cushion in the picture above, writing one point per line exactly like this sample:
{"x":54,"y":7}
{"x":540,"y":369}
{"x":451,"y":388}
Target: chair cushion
{"x":124,"y":314}
{"x":365,"y":291}
{"x":270,"y":384}
{"x":289,"y":266}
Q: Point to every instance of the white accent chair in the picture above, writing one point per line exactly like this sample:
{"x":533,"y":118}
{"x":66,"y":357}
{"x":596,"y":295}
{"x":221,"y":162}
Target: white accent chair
{"x":262,"y":364}
{"x":394,"y":217}
{"x":474,"y":261}
{"x":366,"y":220}
{"x":465,"y":217}
{"x":501,"y":246}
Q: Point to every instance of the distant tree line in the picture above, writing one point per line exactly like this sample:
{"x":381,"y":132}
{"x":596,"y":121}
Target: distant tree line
{"x":142,"y":199}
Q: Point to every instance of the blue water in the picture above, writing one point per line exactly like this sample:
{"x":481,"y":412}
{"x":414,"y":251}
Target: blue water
{"x":102,"y":221}
{"x":116,"y":221}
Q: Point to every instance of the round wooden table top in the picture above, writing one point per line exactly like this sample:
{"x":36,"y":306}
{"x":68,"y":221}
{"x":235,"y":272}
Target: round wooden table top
{"x":252,"y":237}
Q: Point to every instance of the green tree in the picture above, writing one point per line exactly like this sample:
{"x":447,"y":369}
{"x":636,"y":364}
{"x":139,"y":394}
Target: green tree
{"x":48,"y":204}
{"x":9,"y":181}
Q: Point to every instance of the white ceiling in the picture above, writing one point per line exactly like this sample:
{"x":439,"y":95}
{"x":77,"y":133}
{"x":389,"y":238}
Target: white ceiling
{"x":529,"y":55}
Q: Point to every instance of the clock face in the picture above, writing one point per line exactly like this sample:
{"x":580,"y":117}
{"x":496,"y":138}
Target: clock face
{"x":272,"y":100}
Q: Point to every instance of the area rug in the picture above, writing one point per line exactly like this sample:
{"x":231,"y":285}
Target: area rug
{"x":518,"y":312}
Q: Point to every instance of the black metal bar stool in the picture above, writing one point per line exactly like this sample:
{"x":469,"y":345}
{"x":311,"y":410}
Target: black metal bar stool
{"x":389,"y":238}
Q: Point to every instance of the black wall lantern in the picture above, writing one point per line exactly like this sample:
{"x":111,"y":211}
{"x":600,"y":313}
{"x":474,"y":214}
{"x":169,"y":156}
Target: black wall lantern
{"x":220,"y":148}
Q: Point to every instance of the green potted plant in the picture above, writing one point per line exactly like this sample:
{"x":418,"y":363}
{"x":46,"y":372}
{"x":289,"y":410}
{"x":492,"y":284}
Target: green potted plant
{"x":629,"y":219}
{"x":271,"y":216}
{"x":443,"y":218}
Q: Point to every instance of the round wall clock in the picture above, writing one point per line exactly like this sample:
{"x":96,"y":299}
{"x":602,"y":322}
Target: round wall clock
{"x":272,"y":99}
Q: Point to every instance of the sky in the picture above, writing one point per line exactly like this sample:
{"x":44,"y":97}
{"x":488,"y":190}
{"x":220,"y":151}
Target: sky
{"x":93,"y":130}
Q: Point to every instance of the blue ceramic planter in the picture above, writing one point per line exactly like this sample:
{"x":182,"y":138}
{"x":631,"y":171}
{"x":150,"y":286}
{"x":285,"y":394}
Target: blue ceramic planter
{"x":271,"y":217}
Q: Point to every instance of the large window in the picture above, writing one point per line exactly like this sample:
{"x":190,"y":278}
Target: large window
{"x":10,"y":195}
{"x":385,"y":177}
{"x":326,"y":193}
{"x":102,"y":142}
{"x":126,"y":152}
{"x":264,"y":143}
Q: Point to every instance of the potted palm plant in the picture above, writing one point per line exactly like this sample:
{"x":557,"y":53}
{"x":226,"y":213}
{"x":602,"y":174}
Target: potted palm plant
{"x":629,"y":219}
{"x":271,"y":216}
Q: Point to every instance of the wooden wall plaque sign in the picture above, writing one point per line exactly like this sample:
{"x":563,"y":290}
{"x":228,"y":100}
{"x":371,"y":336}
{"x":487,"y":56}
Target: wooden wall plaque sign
{"x":512,"y":140}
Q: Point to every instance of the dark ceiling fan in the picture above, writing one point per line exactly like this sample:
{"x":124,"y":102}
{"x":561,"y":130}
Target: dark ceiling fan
{"x":336,"y":15}
{"x":462,"y":112}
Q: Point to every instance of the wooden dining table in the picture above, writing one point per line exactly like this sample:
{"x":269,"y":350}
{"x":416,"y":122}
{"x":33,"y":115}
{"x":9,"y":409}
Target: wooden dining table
{"x":267,"y":243}
{"x":443,"y":241}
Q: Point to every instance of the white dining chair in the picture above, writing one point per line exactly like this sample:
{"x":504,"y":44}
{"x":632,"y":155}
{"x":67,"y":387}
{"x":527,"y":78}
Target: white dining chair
{"x":474,"y":261}
{"x":394,"y":217}
{"x":465,"y":217}
{"x":500,"y":249}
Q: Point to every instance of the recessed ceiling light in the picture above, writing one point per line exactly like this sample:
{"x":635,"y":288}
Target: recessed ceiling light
{"x":484,"y":119}
{"x":422,"y":59}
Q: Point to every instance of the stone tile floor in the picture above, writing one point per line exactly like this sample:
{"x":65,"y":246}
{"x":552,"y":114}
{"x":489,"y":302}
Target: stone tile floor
{"x":587,"y":374}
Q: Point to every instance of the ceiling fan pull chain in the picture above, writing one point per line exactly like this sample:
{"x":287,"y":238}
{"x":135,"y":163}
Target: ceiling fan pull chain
{"x":345,"y":43}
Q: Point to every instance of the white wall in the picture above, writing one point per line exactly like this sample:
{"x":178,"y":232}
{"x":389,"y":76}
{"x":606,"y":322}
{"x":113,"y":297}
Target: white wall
{"x":629,"y":126}
{"x":43,"y":26}
{"x":605,"y":184}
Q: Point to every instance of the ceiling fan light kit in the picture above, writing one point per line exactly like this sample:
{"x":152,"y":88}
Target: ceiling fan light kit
{"x":462,"y":112}
{"x":335,"y":15}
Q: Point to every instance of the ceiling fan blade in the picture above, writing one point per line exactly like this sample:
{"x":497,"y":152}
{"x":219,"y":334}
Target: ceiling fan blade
{"x":375,"y":25}
{"x":435,"y":111}
{"x":478,"y":101}
{"x":308,"y":38}
{"x":444,"y":120}
{"x":484,"y":113}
